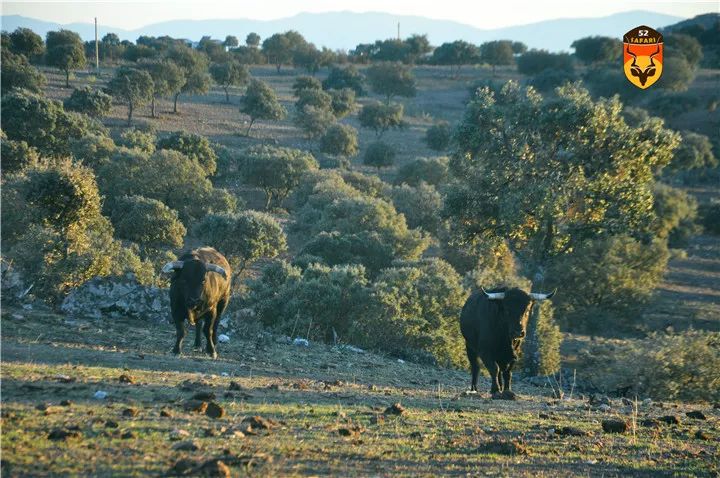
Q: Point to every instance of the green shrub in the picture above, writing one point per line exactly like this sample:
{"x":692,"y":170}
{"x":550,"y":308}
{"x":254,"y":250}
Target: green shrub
{"x":17,"y":73}
{"x":379,"y":155}
{"x":695,"y":152}
{"x":194,"y":146}
{"x":134,"y":138}
{"x":438,"y":136}
{"x":313,"y":121}
{"x":147,"y":222}
{"x":710,"y":217}
{"x":684,"y":366}
{"x":243,"y":237}
{"x":421,"y":206}
{"x":17,"y":156}
{"x":348,"y":77}
{"x":275,"y":170}
{"x":547,"y":80}
{"x":92,"y":149}
{"x":340,"y":140}
{"x":44,"y":124}
{"x":305,"y":83}
{"x":380,"y":117}
{"x":343,"y":102}
{"x":319,"y":303}
{"x":419,"y":308}
{"x":676,"y":213}
{"x":609,"y":281}
{"x":368,"y":184}
{"x":91,"y":102}
{"x":668,"y":104}
{"x":168,"y":176}
{"x":335,"y":248}
{"x":433,"y":171}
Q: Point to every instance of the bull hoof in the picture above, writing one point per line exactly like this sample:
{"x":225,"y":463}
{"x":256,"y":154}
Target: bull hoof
{"x":496,"y":396}
{"x":176,"y":352}
{"x":508,"y":395}
{"x":213,"y":355}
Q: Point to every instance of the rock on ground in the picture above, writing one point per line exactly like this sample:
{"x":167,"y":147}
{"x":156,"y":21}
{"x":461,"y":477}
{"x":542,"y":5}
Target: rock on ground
{"x":118,"y":297}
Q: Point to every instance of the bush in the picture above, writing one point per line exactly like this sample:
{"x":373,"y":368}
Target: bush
{"x":17,"y":73}
{"x":695,"y":152}
{"x":547,"y":80}
{"x":438,"y":136}
{"x":677,"y":73}
{"x":275,"y":170}
{"x":610,"y":280}
{"x":92,"y":150}
{"x":348,"y":77}
{"x":379,"y":155}
{"x":380,"y":117}
{"x":148,"y":223}
{"x":333,"y":205}
{"x":419,"y":305}
{"x":343,"y":102}
{"x":17,"y":156}
{"x":368,"y":184}
{"x":340,"y":140}
{"x":54,"y":232}
{"x":676,"y":212}
{"x":261,"y":102}
{"x":43,"y":123}
{"x":91,"y":102}
{"x":669,"y":105}
{"x":313,"y":121}
{"x":134,"y":138}
{"x":305,"y":83}
{"x":167,"y":176}
{"x":194,"y":146}
{"x":391,"y":79}
{"x":684,"y":366}
{"x":536,"y":61}
{"x":421,"y":206}
{"x":541,"y":349}
{"x":243,"y":237}
{"x":334,"y":248}
{"x":710,"y":217}
{"x":319,"y":303}
{"x":433,"y":171}
{"x":334,"y":162}
{"x":316,"y":98}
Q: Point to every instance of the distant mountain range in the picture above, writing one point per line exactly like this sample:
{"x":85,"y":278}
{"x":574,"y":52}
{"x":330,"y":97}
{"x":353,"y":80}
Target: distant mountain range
{"x":347,"y":29}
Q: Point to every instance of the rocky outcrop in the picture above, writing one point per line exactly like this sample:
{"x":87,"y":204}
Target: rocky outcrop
{"x":118,"y":297}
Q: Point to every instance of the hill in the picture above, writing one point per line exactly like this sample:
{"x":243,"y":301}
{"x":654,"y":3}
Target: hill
{"x":347,"y":29}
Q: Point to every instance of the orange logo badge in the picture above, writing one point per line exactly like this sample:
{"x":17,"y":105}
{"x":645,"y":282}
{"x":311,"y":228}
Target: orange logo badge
{"x":643,"y":56}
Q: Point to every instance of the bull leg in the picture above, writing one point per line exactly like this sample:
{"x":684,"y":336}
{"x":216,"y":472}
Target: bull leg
{"x":208,"y":329}
{"x":180,"y":329}
{"x":198,"y":336}
{"x":507,"y":393}
{"x":494,"y":371}
{"x":214,"y":331}
{"x":474,"y":367}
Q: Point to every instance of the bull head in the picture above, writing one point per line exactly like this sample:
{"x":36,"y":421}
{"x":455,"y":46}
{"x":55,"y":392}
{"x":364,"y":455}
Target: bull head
{"x":175,"y":265}
{"x":642,"y":74}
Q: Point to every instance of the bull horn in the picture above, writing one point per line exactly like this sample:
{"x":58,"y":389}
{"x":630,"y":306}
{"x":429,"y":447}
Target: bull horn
{"x":493,"y":295}
{"x":538,"y":296}
{"x":216,"y":268}
{"x":171,"y":266}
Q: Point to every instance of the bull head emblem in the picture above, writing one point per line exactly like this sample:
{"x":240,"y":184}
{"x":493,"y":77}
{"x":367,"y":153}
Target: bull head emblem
{"x":642,"y":74}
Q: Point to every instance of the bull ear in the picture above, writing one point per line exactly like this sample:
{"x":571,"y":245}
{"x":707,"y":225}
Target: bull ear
{"x":493,"y":295}
{"x":172,"y":266}
{"x":538,"y":296}
{"x":216,"y":268}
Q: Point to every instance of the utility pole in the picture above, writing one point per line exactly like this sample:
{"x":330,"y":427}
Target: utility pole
{"x":97,"y":49}
{"x":398,"y":31}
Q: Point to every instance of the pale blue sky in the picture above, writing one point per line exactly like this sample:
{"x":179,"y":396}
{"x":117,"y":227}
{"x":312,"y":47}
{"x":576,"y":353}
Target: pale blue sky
{"x":481,"y":14}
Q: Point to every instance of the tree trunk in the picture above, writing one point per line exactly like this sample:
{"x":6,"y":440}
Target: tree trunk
{"x":130,"y":112}
{"x":278,"y":67}
{"x":175,"y":104}
{"x":67,"y":78}
{"x":227,"y":95}
{"x":268,"y":200}
{"x":247,"y":133}
{"x":152,"y":107}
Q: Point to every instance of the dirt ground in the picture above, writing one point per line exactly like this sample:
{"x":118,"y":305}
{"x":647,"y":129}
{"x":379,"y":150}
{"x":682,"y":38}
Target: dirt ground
{"x":324,"y":411}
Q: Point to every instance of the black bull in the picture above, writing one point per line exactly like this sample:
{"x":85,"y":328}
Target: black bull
{"x":494,"y":325}
{"x":199,"y":293}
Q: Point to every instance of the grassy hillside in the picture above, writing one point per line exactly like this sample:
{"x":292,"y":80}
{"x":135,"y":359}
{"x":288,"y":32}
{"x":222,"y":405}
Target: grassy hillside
{"x":325,"y":409}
